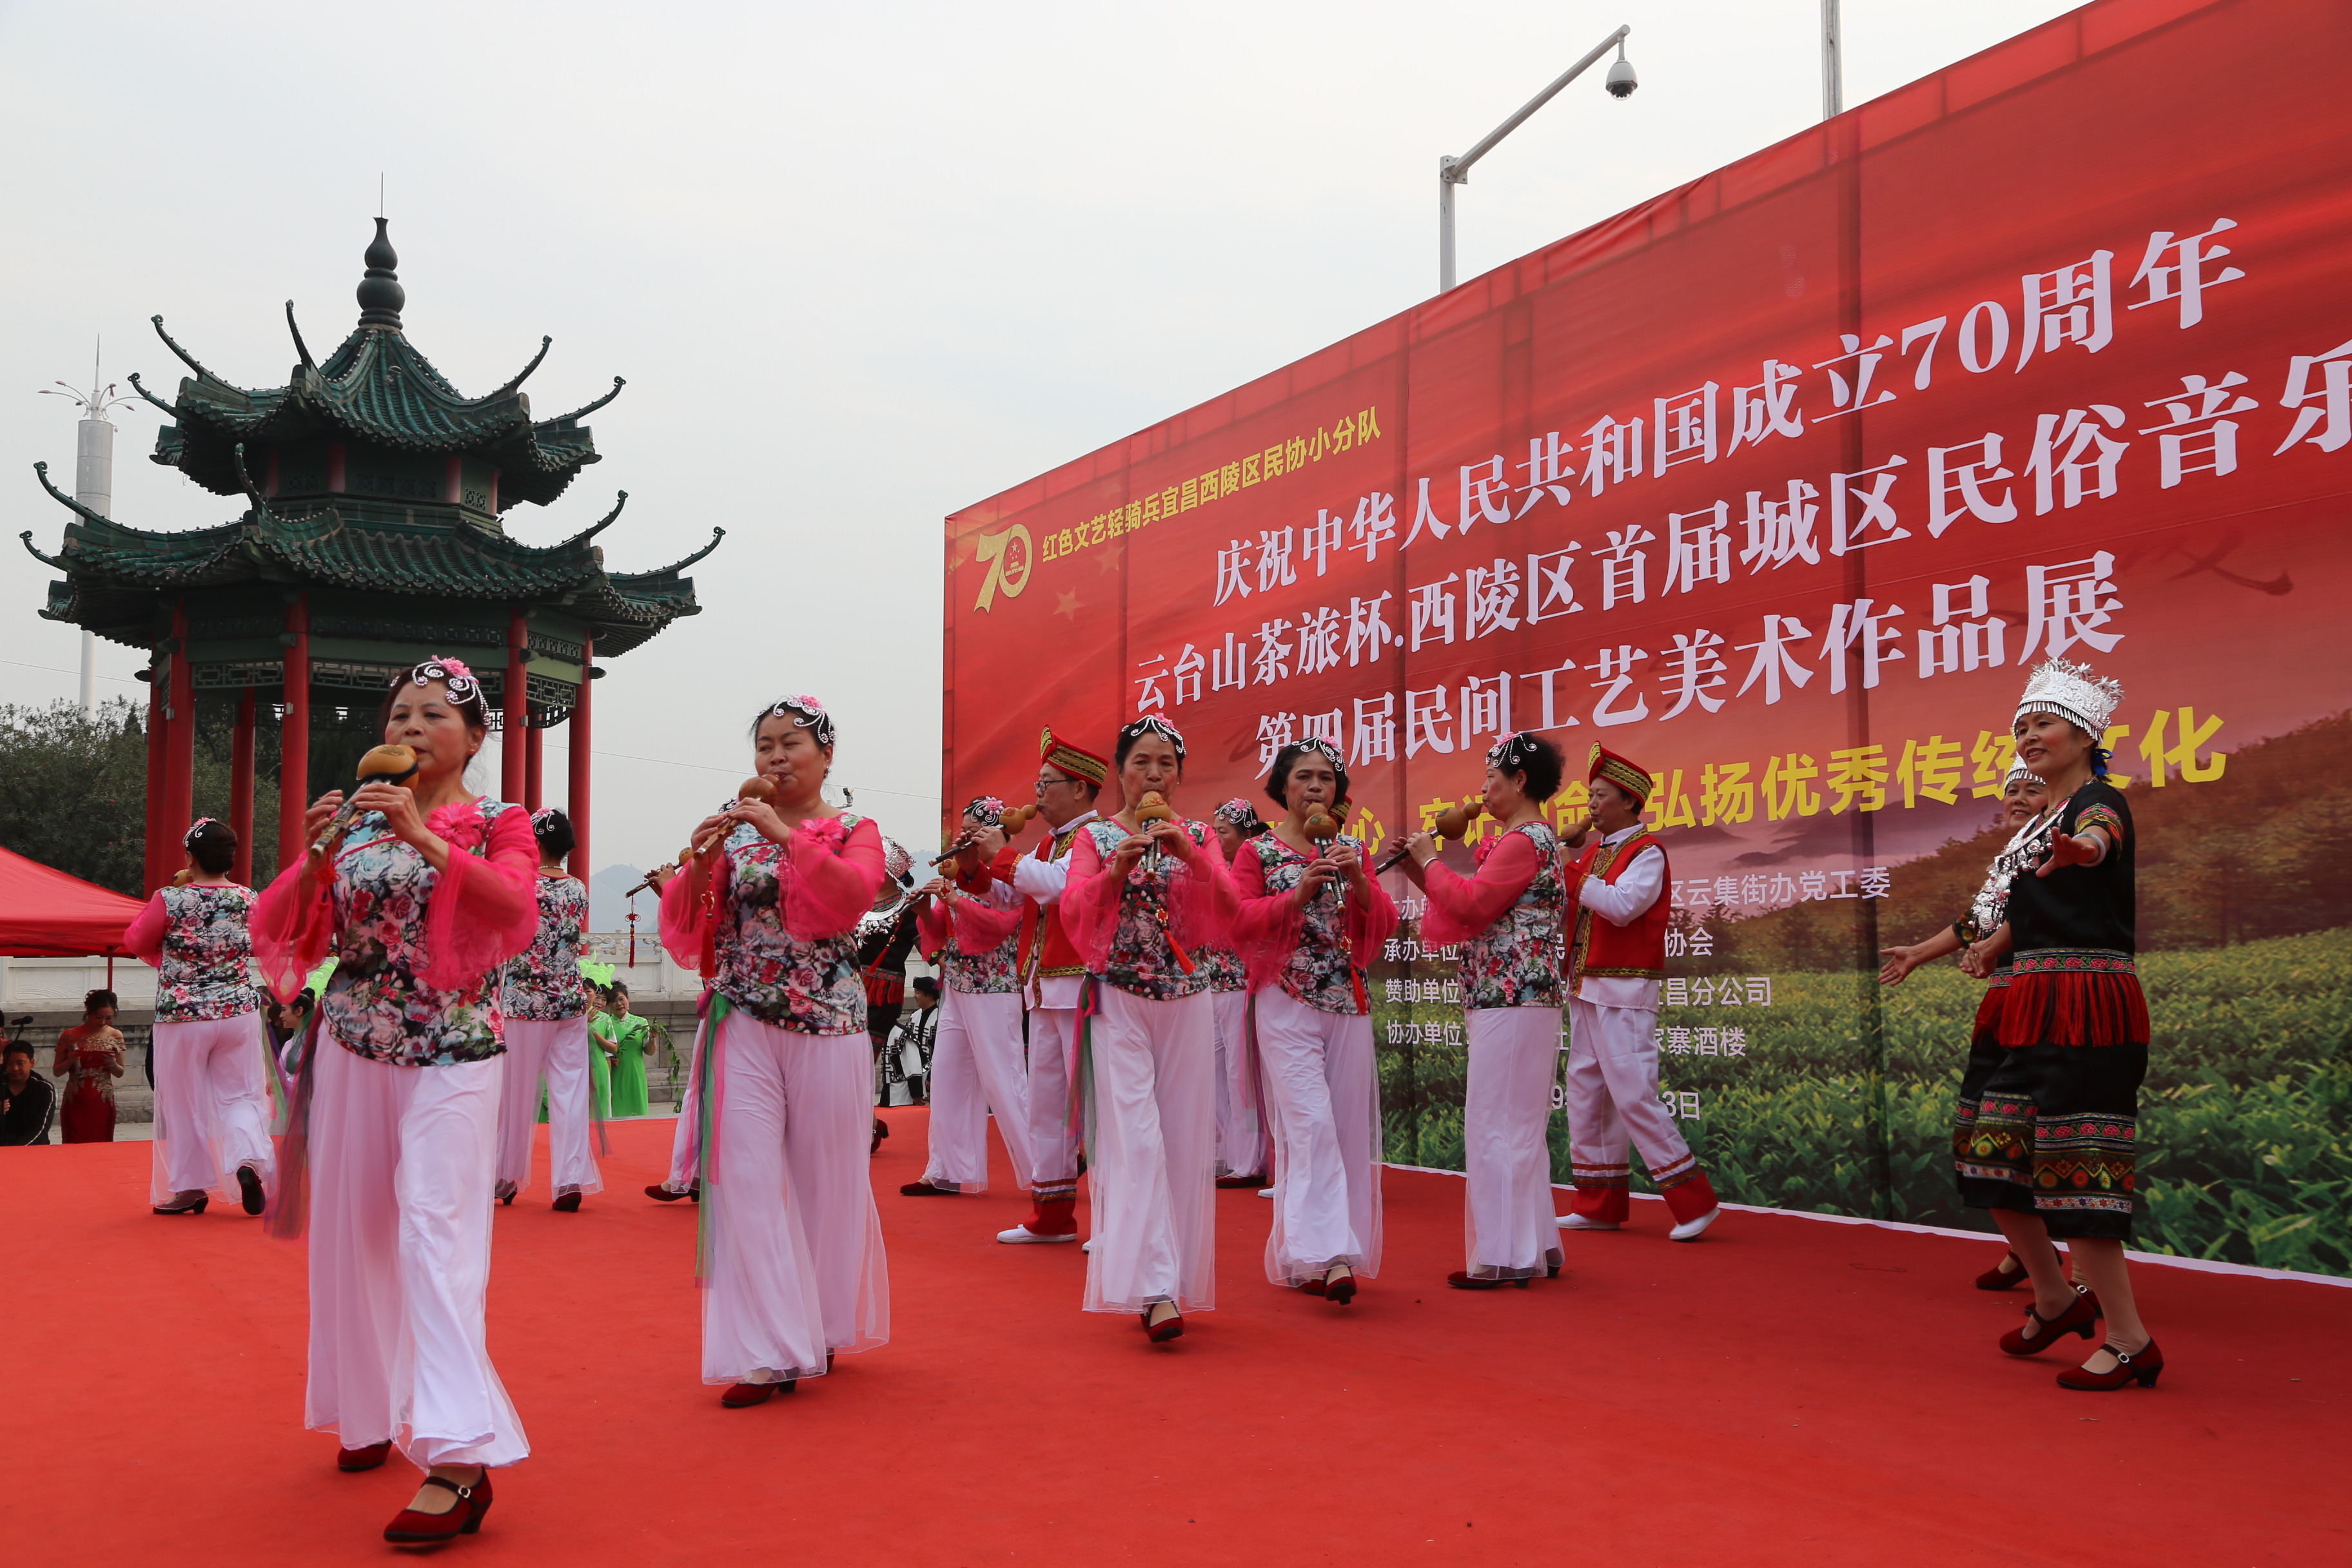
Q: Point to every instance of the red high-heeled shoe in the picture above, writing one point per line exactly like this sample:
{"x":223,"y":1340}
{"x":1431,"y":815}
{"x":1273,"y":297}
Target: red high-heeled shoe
{"x":1339,"y":1291}
{"x":372,"y":1457}
{"x":1170,"y":1327}
{"x":744,"y":1396}
{"x":2078,"y":1318}
{"x":2139,"y":1366}
{"x":2001,"y":1277}
{"x":410,"y":1528}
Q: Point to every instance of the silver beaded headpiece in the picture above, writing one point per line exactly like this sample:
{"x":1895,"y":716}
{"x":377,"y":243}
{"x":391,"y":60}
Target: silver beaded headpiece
{"x":2069,"y":691}
{"x":807,"y":714}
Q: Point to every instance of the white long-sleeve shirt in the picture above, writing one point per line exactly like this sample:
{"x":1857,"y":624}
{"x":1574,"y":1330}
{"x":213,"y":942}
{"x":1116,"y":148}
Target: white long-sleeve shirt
{"x":1621,"y":903}
{"x":1043,"y":881}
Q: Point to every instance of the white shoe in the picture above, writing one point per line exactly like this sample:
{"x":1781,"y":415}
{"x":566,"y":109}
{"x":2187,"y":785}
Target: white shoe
{"x":1695,"y":1229}
{"x":1578,"y":1222}
{"x":1021,"y":1233}
{"x":1266,"y":1192}
{"x":1090,"y":1245}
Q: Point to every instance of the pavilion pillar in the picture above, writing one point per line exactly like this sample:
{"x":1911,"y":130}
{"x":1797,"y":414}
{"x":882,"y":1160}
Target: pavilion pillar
{"x":512,"y":742}
{"x":582,"y":866}
{"x":180,"y":762}
{"x":534,"y":787}
{"x":240,"y":790}
{"x":294,"y":735}
{"x":151,"y":876}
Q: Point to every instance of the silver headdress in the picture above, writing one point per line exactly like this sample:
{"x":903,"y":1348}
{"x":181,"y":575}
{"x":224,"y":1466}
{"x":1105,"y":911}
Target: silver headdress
{"x":807,"y":713}
{"x":1239,"y":815}
{"x":1154,"y":724}
{"x":986,"y":810}
{"x":2068,"y":689}
{"x":453,"y":674}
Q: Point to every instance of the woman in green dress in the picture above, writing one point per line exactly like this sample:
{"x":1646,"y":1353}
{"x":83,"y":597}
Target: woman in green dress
{"x":623,"y":1037}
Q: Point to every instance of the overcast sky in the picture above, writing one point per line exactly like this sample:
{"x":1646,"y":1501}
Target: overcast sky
{"x":861,"y":266}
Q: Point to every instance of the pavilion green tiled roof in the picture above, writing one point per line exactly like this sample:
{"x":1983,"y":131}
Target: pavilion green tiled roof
{"x":376,"y":387}
{"x":376,"y":390}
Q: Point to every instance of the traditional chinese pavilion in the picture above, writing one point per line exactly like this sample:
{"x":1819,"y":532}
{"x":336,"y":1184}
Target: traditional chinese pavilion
{"x":372,"y":538}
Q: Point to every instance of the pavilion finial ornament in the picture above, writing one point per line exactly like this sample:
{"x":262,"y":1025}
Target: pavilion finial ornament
{"x":2063,"y":686}
{"x":381,"y":296}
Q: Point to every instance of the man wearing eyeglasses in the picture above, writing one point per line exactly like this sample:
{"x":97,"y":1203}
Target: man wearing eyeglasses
{"x":1069,"y":777}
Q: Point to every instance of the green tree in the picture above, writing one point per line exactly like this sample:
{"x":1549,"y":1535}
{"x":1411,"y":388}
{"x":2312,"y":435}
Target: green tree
{"x":73,"y":789}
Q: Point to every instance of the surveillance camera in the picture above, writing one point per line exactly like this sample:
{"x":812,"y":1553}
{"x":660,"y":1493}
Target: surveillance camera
{"x":1621,"y":81}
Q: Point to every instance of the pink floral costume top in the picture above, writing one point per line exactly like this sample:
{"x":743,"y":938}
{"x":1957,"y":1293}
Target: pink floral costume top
{"x":200,"y":940}
{"x":1506,"y":918}
{"x":1223,"y":967}
{"x":1318,"y":953}
{"x":543,"y":985}
{"x":418,"y":952}
{"x":974,"y":941}
{"x":1141,"y":933}
{"x":783,"y":923}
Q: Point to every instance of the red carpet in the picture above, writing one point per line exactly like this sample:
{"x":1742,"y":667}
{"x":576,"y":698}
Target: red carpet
{"x":1784,"y":1392}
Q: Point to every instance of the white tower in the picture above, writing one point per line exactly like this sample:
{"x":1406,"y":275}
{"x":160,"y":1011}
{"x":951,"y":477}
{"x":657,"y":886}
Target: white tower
{"x":93,"y":488}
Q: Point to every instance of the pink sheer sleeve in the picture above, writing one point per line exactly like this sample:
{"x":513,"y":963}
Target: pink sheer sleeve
{"x":1371,"y":923}
{"x":1267,"y":926}
{"x":484,"y":908}
{"x":143,"y":938}
{"x":1201,"y":901}
{"x":1461,"y":907}
{"x":829,"y":877}
{"x":1090,"y":903}
{"x":931,"y":932}
{"x":682,"y":934}
{"x":979,"y":925}
{"x":291,"y":927}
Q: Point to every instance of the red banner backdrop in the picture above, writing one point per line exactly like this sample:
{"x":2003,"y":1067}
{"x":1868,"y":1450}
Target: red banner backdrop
{"x":1777,"y":484}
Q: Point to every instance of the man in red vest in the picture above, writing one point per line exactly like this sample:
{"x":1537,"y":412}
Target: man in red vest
{"x":1068,"y":779}
{"x":1616,"y":958}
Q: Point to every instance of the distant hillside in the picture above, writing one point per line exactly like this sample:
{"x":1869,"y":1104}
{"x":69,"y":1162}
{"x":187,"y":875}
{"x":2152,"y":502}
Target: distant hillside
{"x":2264,"y":850}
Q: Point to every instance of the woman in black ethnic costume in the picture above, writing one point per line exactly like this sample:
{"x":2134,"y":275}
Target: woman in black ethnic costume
{"x":2049,"y":1146}
{"x":2025,"y":813}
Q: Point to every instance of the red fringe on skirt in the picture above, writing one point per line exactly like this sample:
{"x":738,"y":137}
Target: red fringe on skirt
{"x":2072,"y":1009}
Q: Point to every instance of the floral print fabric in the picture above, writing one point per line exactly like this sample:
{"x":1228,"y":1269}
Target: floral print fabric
{"x":808,"y":984}
{"x":378,"y":1002}
{"x":1514,"y":962}
{"x":205,"y":969}
{"x":545,"y":984}
{"x":1142,"y":960}
{"x":1321,"y":971}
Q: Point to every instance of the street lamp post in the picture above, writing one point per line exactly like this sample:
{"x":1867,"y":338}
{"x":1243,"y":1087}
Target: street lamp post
{"x":1832,"y":62}
{"x":1452,"y":171}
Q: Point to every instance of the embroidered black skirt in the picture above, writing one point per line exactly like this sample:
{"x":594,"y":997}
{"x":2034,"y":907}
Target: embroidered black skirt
{"x":2053,"y":1126}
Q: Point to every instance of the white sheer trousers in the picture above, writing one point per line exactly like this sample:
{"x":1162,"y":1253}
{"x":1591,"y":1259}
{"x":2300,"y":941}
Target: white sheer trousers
{"x":1243,"y":1142}
{"x":1153,"y":1153}
{"x":556,"y":1049}
{"x":976,"y":1068}
{"x":1323,"y":1095}
{"x":401,"y":1164}
{"x":1052,"y":1144}
{"x":796,"y":1261}
{"x":212,"y":1106}
{"x":1507,"y":1107}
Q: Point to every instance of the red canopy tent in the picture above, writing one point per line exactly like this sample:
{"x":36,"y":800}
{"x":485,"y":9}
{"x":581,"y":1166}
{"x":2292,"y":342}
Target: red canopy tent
{"x":45,"y":913}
